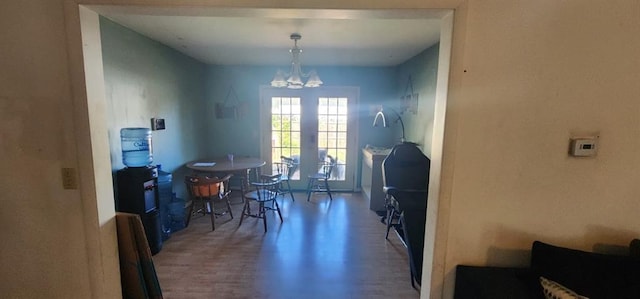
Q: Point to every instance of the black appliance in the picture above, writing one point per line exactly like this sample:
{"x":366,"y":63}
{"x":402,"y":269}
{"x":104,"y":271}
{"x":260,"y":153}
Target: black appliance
{"x":405,"y":175}
{"x":137,"y":193}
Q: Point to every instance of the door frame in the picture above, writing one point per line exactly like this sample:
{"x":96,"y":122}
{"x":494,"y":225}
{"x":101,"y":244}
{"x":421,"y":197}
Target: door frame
{"x":353,"y":123}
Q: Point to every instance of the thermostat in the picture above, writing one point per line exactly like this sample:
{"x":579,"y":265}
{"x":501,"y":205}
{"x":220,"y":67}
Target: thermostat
{"x":583,"y":147}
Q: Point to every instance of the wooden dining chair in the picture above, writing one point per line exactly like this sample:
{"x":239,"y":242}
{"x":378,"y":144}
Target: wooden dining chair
{"x":265,"y":192}
{"x":286,"y":168}
{"x":319,"y":182}
{"x":204,"y":191}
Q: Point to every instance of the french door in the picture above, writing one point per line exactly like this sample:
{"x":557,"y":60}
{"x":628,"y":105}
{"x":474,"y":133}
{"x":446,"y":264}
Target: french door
{"x":311,"y":126}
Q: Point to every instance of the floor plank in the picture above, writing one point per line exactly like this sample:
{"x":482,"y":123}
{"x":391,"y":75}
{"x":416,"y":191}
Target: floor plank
{"x":323,"y":249}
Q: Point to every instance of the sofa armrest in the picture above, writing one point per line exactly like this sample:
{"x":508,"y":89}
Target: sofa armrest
{"x":473,"y":282}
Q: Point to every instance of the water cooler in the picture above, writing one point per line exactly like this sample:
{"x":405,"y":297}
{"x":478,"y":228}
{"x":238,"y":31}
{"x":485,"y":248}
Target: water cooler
{"x":137,"y":184}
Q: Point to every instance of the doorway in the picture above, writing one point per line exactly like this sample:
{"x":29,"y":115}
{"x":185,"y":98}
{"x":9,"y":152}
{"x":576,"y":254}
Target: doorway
{"x":311,"y":126}
{"x":84,"y":45}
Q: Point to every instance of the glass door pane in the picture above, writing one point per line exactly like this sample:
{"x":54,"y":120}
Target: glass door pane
{"x":332,"y":133}
{"x":285,"y":130}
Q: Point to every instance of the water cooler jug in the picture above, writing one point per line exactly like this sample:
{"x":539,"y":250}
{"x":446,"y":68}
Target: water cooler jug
{"x":137,"y":184}
{"x":137,"y":148}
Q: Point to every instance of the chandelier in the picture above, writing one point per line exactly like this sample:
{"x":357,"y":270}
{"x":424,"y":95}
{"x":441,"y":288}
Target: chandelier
{"x":293,"y":79}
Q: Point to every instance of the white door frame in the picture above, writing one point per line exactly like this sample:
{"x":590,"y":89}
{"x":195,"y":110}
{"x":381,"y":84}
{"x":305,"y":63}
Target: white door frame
{"x":353,"y":122}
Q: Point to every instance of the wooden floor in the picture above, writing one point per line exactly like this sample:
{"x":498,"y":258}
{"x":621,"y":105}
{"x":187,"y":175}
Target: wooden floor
{"x":323,"y":249}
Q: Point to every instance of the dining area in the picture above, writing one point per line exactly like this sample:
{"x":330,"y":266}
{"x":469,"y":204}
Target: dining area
{"x":248,"y":227}
{"x":270,"y":197}
{"x":214,"y":184}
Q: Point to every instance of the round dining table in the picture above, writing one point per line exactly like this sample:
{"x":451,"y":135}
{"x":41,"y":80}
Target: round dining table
{"x":238,"y":166}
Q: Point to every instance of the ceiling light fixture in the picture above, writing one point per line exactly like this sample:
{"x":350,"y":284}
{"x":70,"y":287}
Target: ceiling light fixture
{"x":293,"y":79}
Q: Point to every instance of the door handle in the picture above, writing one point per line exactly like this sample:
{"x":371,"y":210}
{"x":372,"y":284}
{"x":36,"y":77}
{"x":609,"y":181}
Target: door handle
{"x":312,"y":138}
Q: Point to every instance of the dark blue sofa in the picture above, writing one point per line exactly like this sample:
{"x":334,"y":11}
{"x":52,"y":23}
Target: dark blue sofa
{"x":589,"y":274}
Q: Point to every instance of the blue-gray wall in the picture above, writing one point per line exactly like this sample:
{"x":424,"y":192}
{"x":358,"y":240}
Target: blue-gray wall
{"x":422,"y":69}
{"x":145,"y":79}
{"x":242,"y":136}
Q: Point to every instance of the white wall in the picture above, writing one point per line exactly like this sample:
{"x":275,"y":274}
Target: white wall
{"x":537,"y":72}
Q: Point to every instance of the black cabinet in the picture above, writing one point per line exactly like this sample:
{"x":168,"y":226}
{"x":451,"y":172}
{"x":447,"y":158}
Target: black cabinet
{"x":137,"y":193}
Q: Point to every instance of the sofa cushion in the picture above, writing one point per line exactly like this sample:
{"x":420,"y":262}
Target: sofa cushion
{"x":592,"y":275}
{"x":554,"y":290}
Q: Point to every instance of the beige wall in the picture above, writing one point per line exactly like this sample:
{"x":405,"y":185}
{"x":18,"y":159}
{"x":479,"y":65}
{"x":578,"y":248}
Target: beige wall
{"x":44,"y":237}
{"x":537,"y":72}
{"x":532,"y":74}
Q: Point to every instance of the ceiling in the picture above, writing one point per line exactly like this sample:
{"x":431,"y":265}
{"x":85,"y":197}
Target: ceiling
{"x":261,"y":36}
